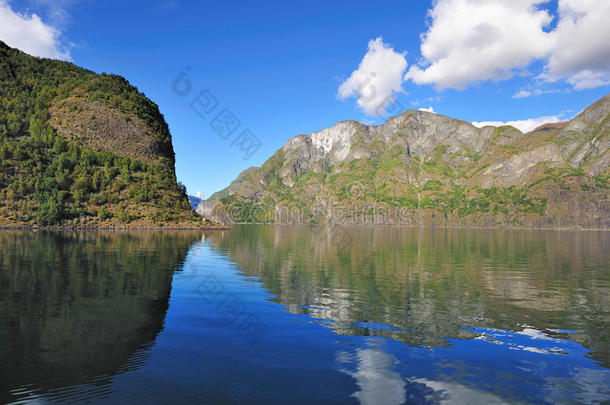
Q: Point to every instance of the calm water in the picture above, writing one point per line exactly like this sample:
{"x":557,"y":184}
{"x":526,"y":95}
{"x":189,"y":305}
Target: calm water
{"x":305,"y":315}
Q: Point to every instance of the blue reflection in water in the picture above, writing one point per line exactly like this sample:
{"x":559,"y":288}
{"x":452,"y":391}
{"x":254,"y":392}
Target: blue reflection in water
{"x":322,"y":342}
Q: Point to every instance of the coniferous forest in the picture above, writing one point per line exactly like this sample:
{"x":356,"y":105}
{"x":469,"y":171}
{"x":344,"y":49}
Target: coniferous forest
{"x":51,"y":179}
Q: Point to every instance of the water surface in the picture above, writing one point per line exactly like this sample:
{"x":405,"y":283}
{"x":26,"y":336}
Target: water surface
{"x":263,"y":314}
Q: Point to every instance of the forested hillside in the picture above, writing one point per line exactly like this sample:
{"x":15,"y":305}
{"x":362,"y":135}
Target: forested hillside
{"x":80,"y":148}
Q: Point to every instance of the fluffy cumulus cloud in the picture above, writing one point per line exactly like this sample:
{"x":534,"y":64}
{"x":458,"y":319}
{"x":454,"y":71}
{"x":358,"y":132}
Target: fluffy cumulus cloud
{"x":477,"y":40}
{"x":428,"y":109}
{"x":471,"y":41}
{"x":378,"y":77}
{"x":522,"y":125}
{"x":581,"y":44}
{"x":30,"y":34}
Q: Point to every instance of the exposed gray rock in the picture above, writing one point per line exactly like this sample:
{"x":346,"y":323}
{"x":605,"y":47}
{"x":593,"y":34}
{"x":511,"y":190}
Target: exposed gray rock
{"x":420,"y":147}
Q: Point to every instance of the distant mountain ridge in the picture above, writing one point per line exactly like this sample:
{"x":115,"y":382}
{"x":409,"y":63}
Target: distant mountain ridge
{"x":205,"y":207}
{"x":83,"y":149}
{"x":194,"y":201}
{"x":420,"y":168}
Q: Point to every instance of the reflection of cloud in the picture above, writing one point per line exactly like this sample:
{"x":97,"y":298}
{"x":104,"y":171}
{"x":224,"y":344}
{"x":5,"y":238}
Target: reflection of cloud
{"x":594,"y":385}
{"x":534,"y":334}
{"x":586,"y":386}
{"x":529,"y":340}
{"x":453,"y":393}
{"x":379,"y":383}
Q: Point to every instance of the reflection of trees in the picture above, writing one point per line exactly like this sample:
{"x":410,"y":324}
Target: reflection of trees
{"x":78,"y":305}
{"x":429,"y":284}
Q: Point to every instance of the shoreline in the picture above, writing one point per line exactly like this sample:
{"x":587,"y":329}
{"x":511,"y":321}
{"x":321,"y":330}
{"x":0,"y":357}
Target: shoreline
{"x":114,"y":228}
{"x":481,"y":227}
{"x":223,"y":227}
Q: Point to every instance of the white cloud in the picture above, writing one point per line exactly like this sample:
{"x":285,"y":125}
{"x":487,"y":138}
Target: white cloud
{"x":534,"y":92}
{"x":470,"y":41}
{"x":476,"y":40}
{"x":522,"y":125}
{"x":522,"y":94}
{"x":30,"y":34}
{"x":429,"y":109}
{"x":581,"y":45}
{"x":588,"y":79}
{"x":52,"y":11}
{"x":378,"y":77}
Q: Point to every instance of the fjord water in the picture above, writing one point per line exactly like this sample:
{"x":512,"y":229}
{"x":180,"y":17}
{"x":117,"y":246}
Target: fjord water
{"x":263,"y":314}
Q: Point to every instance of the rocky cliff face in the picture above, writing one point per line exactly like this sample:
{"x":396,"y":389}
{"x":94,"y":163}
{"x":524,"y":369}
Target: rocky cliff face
{"x":421,"y":168}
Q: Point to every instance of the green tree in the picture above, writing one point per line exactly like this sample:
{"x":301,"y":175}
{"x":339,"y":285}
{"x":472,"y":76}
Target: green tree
{"x":49,"y":212}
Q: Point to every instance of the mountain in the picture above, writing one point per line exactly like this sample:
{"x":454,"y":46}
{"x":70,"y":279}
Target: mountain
{"x":83,"y":149}
{"x":205,"y":207}
{"x":420,"y":168}
{"x":194,"y":201}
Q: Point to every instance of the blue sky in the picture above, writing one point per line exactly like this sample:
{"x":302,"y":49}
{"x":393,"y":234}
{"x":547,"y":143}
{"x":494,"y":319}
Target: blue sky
{"x":279,"y":66}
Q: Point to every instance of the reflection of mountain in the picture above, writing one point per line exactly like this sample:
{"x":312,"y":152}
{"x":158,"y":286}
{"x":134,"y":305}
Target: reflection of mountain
{"x":428,"y":285}
{"x":74,"y":306}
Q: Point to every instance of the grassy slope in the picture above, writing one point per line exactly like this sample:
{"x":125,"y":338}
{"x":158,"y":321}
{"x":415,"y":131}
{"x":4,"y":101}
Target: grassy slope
{"x":441,"y":188}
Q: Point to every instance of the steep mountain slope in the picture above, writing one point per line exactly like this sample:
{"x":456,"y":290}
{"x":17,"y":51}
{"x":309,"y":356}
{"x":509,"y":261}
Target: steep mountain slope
{"x":194,"y":201}
{"x":81,"y":148}
{"x":205,"y":207}
{"x":421,"y":168}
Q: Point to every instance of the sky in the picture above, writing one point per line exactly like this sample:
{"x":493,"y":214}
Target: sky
{"x":236,"y":79}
